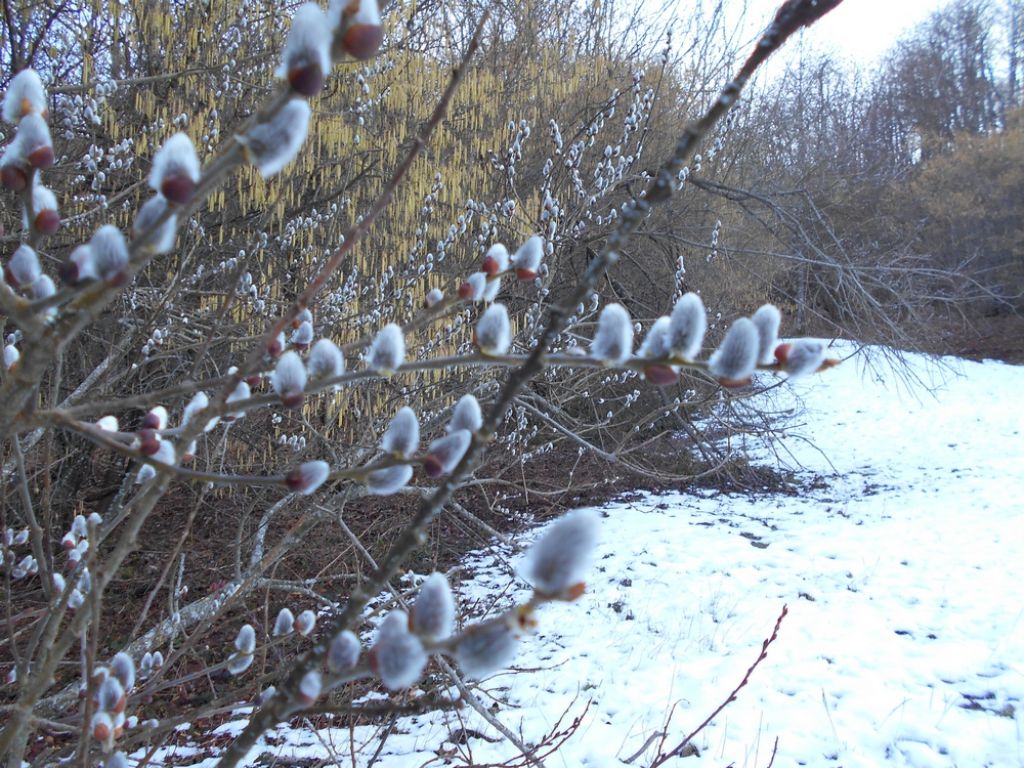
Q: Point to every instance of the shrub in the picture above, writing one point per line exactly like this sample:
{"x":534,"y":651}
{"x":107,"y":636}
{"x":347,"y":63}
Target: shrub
{"x":206,"y":360}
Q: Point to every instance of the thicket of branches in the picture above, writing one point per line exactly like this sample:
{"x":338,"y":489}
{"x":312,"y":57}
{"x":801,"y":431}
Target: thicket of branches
{"x":133,"y":525}
{"x":906,"y":175}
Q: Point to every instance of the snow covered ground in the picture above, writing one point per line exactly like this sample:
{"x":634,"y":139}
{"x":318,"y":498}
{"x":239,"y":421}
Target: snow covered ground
{"x":903,"y":570}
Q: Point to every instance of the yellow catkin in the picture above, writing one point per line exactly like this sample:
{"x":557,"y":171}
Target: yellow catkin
{"x":477,"y":123}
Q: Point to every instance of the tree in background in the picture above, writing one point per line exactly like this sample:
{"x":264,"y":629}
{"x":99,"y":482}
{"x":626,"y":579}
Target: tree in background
{"x":835,"y":192}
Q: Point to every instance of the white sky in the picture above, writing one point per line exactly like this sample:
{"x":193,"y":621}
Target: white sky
{"x":861,"y":30}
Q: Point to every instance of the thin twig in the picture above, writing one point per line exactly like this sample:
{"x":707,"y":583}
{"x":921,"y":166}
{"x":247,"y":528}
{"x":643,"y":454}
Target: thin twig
{"x":681,"y":746}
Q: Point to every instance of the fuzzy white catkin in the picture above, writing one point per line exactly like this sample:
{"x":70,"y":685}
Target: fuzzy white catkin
{"x":303,"y":335}
{"x":109,"y":424}
{"x":486,"y":648}
{"x":492,"y":289}
{"x":116,"y":760}
{"x":23,"y":269}
{"x":736,"y":358}
{"x":805,"y":356}
{"x":109,"y":251}
{"x":448,"y":451}
{"x":310,"y":686}
{"x":497,"y":258}
{"x":398,"y":656}
{"x":239,"y":393}
{"x":123,"y":668}
{"x":272,"y":145}
{"x":613,"y":342}
{"x":308,"y":42}
{"x":82,"y":263}
{"x":43,"y":288}
{"x":657,"y":341}
{"x":687,"y":326}
{"x":402,"y":437}
{"x":25,"y":93}
{"x":309,"y":476}
{"x":110,"y":695}
{"x":383,"y":482}
{"x":343,"y":652}
{"x":367,"y":12}
{"x":387,"y":352}
{"x":494,"y":331}
{"x":767,"y":320}
{"x":245,"y":642}
{"x":12,"y":156}
{"x":434,"y":296}
{"x":164,"y":455}
{"x":102,"y":725}
{"x":433,"y":614}
{"x":529,"y":255}
{"x":176,"y":157}
{"x":239,"y":662}
{"x":266,"y":695}
{"x":26,"y":567}
{"x":325,"y":361}
{"x":33,"y":134}
{"x":43,"y":199}
{"x":284,"y":624}
{"x":199,"y":402}
{"x":466,"y":415}
{"x":474,"y":287}
{"x":305,"y":622}
{"x":561,"y":557}
{"x":289,"y":376}
{"x":11,"y":356}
